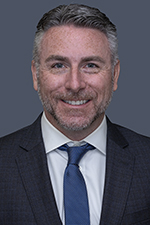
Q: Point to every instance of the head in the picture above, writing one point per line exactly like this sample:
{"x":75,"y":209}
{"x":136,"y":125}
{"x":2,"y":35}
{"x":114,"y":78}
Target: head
{"x":75,"y":67}
{"x":79,"y":16}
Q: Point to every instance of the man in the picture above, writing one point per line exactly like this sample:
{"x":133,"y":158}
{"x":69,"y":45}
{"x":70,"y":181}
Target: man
{"x":75,"y":70}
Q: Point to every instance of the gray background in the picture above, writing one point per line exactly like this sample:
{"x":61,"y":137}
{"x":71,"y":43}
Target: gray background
{"x":19,"y":102}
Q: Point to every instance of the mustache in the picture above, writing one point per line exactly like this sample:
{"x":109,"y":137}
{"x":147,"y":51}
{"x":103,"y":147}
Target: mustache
{"x":70,"y":95}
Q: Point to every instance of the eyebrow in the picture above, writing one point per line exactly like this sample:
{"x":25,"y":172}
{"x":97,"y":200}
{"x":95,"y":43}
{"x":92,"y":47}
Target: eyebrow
{"x":56,"y":57}
{"x":83,"y":59}
{"x":93,"y":58}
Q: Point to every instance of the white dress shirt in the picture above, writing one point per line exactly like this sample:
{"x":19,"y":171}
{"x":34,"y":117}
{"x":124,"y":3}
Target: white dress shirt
{"x":92,"y":165}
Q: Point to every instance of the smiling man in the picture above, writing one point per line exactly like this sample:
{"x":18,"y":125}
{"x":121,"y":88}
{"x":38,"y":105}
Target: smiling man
{"x":72,"y":165}
{"x":75,"y":79}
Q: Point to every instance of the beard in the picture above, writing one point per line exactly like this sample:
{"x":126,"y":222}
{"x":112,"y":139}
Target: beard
{"x":73,"y":119}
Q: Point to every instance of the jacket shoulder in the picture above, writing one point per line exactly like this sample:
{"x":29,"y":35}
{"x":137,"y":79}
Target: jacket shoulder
{"x":137,"y":143}
{"x":117,"y":129}
{"x":130,"y":134}
{"x":22,"y":135}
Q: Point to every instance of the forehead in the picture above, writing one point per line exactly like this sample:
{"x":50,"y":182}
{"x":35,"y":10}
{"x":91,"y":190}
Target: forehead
{"x":69,"y":39}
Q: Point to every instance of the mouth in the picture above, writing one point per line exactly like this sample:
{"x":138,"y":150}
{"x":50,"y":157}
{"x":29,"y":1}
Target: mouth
{"x":81,"y":102}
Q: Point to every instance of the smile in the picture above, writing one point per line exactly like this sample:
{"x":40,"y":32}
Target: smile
{"x":76,"y":102}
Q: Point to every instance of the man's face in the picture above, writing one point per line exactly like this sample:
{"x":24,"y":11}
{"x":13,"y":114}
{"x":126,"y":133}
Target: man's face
{"x":75,"y":77}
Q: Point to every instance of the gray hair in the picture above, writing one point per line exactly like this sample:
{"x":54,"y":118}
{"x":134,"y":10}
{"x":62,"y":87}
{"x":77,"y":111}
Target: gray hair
{"x":79,"y":16}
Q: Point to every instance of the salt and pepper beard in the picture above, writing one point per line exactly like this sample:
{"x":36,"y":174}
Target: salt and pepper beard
{"x":73,"y":126}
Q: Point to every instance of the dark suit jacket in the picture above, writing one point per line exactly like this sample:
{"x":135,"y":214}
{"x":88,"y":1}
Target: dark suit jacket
{"x":26,"y":193}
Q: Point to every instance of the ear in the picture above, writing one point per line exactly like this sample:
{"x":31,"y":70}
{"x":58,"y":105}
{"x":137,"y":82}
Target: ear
{"x":34,"y":75}
{"x":116,"y":75}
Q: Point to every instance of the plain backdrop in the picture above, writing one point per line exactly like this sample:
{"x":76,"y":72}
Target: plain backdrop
{"x":20,"y":104}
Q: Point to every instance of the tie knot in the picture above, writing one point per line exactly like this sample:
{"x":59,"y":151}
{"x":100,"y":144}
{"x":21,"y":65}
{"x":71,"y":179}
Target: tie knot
{"x":75,"y":153}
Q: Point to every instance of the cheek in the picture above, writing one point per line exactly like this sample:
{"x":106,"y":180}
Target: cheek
{"x":103,"y":87}
{"x":50,"y":83}
{"x":99,"y":83}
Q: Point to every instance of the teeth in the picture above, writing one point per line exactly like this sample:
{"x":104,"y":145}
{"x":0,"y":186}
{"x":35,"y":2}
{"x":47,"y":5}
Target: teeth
{"x":76,"y":102}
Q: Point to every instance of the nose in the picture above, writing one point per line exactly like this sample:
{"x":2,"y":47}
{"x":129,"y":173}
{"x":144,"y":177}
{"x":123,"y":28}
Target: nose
{"x":75,"y":80}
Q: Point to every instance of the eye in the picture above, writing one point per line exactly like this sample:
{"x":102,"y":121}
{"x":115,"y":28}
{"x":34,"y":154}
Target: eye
{"x":58,"y":65}
{"x":58,"y":68}
{"x":91,"y":68}
{"x":91,"y":65}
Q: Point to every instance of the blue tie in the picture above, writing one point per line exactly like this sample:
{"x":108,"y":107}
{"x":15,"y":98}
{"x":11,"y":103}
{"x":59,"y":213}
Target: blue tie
{"x":75,"y":193}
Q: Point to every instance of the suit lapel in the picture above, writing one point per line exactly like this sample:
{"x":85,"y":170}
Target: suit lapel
{"x":119,"y":170}
{"x":32,"y":166}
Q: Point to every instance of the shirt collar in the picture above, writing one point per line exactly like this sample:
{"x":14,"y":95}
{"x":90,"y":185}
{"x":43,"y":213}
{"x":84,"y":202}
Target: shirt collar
{"x":53,"y":138}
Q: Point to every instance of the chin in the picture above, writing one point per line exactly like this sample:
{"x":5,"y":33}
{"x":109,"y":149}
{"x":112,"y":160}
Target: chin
{"x":76,"y":124}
